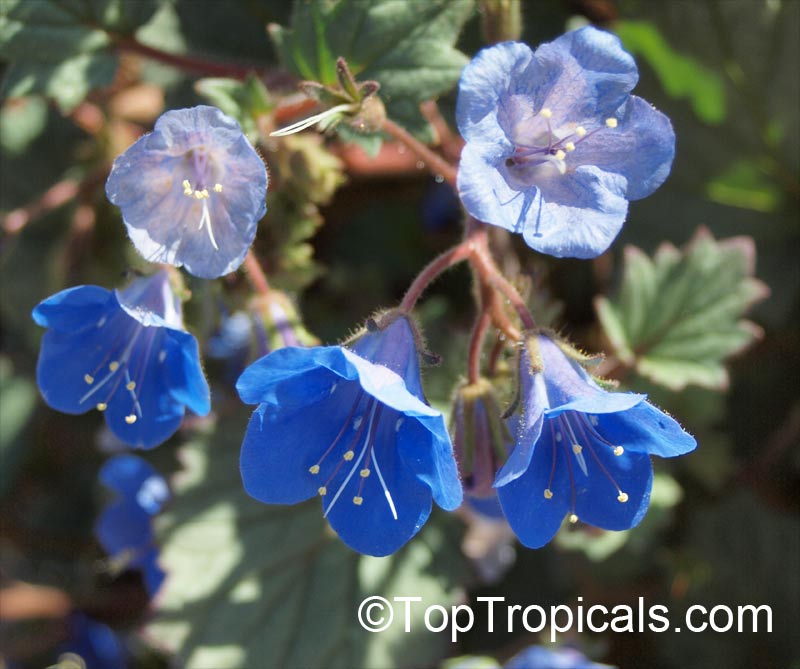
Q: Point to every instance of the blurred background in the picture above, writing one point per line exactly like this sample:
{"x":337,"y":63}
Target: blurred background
{"x":345,"y":234}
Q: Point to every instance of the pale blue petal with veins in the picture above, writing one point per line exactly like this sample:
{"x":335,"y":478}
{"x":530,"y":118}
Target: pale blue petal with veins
{"x":556,"y":145}
{"x":191,"y":192}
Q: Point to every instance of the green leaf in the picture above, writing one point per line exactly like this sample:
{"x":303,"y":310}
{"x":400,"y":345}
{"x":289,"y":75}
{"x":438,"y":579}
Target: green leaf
{"x":679,"y":316}
{"x":67,"y":82}
{"x":17,"y":402}
{"x":406,"y":46}
{"x":255,"y":585}
{"x":744,"y":185}
{"x":60,"y":48}
{"x":21,"y":122}
{"x":680,"y":75}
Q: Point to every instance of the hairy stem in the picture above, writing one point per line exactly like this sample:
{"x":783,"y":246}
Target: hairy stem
{"x":186,"y":63}
{"x":255,"y":274}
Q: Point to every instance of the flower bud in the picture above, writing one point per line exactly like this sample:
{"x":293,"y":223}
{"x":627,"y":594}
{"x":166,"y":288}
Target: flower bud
{"x":481,"y":439}
{"x":278,"y":323}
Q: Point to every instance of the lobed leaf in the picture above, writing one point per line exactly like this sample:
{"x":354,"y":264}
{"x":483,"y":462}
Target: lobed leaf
{"x":254,"y":585}
{"x":678,"y":316}
{"x":406,"y":46}
{"x":59,"y":48}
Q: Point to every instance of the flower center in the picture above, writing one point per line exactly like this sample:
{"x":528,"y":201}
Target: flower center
{"x":576,"y":434}
{"x":542,"y":147}
{"x":124,"y":363}
{"x":200,"y":168}
{"x":366,"y":454}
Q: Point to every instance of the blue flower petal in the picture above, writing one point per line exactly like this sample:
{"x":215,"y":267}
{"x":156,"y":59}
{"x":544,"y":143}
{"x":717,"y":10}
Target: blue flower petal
{"x":641,"y":148}
{"x":590,"y":74}
{"x":481,"y":91}
{"x":591,"y":455}
{"x":281,"y":445}
{"x":333,"y":423}
{"x":191,"y":192}
{"x":124,"y":528}
{"x":528,"y":427}
{"x":646,"y":429}
{"x":185,"y":375}
{"x":534,"y":518}
{"x":121,"y":359}
{"x":126,"y":474}
{"x":556,"y":145}
{"x":424,"y":446}
{"x":597,"y":500}
{"x":74,"y":309}
{"x":582,"y":214}
{"x":408,"y":497}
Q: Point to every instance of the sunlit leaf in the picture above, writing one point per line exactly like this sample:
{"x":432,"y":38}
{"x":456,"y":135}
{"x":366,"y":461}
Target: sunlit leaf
{"x":680,"y":75}
{"x":744,"y":185}
{"x":678,"y":316}
{"x":60,"y":49}
{"x":254,"y":585}
{"x":406,"y":46}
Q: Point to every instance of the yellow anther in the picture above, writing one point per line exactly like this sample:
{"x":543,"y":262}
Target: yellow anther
{"x":101,"y":406}
{"x":130,"y":420}
{"x":611,"y":123}
{"x":130,"y":385}
{"x":187,"y":187}
{"x":618,"y":450}
{"x":89,"y":379}
{"x":548,"y":494}
{"x":573,"y":518}
{"x":217,"y":188}
{"x":580,"y":131}
{"x":622,"y":497}
{"x":560,"y":155}
{"x":349,"y":455}
{"x":198,"y":195}
{"x":358,"y":500}
{"x":204,"y":193}
{"x":569,"y":146}
{"x":545,"y":112}
{"x":577,"y":448}
{"x":364,"y":473}
{"x":322,"y":490}
{"x":114,"y":366}
{"x":314,"y":469}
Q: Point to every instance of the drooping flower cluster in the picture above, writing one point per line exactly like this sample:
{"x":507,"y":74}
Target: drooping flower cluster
{"x":125,"y":353}
{"x":556,"y":144}
{"x":191,"y":192}
{"x":125,"y":527}
{"x":350,"y":425}
{"x":581,"y":452}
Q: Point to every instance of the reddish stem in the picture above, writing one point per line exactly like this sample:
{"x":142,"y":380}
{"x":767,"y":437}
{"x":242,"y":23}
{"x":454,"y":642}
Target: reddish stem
{"x":434,"y":162}
{"x":187,"y":63}
{"x":476,"y":344}
{"x":487,"y":269}
{"x":255,"y":274}
{"x":433,"y":269}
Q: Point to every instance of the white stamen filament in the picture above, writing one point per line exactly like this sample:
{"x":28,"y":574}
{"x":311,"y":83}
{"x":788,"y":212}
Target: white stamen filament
{"x":356,"y":464}
{"x":312,"y":120}
{"x":205,"y":219}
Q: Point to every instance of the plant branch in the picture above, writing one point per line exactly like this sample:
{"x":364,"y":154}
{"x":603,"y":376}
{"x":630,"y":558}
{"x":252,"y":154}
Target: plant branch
{"x":187,"y":63}
{"x":255,"y":274}
{"x":434,"y":162}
